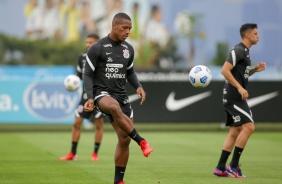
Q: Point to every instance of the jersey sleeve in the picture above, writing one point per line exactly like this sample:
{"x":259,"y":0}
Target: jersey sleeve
{"x":131,"y":75}
{"x":235,"y":55}
{"x":91,"y":62}
{"x":79,"y":67}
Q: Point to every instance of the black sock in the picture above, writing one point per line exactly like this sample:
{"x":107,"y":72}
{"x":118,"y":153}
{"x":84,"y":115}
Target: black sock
{"x":223,"y":159}
{"x":119,"y":174}
{"x":73,"y":147}
{"x":96,"y":147}
{"x":236,"y":156}
{"x":135,"y":136}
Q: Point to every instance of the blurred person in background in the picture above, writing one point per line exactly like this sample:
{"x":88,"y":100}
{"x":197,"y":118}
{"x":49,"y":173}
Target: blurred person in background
{"x":94,"y":116}
{"x":113,"y":7}
{"x":88,"y":25}
{"x":62,"y":8}
{"x":72,"y":16}
{"x":43,"y":22}
{"x":156,"y":36}
{"x":156,"y":32}
{"x":137,"y":28}
{"x":29,"y":7}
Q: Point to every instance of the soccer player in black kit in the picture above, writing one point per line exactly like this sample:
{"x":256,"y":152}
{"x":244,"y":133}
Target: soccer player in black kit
{"x":236,"y":70}
{"x":94,"y":116}
{"x":109,"y":65}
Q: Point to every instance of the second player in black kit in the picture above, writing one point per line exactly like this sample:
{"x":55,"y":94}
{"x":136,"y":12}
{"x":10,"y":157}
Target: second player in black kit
{"x":237,"y":70}
{"x":109,"y":65}
{"x":95,"y":116}
{"x":232,"y":99}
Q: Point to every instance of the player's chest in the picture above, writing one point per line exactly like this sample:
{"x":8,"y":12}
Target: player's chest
{"x":246,"y":60}
{"x":119,"y":54}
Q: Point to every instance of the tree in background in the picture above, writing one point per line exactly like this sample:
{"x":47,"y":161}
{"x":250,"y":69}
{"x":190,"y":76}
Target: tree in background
{"x":222,"y":51}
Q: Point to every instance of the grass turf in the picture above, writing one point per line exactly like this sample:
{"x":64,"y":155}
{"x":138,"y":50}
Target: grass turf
{"x":179,"y":157}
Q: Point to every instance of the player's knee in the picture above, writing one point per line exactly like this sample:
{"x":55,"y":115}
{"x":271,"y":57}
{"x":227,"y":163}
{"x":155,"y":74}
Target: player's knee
{"x":77,"y":126}
{"x":125,"y":141}
{"x":114,"y":108}
{"x":250,"y":127}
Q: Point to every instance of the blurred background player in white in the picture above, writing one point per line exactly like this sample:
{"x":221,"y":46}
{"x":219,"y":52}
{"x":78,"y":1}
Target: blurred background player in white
{"x":80,"y":114}
{"x":237,"y":70}
{"x":42,"y":22}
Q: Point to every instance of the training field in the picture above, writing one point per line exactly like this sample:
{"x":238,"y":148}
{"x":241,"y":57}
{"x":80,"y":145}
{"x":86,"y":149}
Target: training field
{"x":179,"y":157}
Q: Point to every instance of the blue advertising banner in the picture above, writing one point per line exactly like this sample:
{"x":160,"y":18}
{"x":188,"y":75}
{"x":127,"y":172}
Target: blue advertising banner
{"x":36,"y":95}
{"x":170,"y":98}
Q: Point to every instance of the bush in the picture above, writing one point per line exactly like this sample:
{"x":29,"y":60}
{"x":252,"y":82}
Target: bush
{"x":222,"y":50}
{"x":17,"y":51}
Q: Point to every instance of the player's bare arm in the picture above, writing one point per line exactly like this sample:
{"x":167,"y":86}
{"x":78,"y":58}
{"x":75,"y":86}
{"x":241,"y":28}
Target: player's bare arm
{"x":226,"y":72}
{"x":142,"y":94}
{"x":260,"y":67}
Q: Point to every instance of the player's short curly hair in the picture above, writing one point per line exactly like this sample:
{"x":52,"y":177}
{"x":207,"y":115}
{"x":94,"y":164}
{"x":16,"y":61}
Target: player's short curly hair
{"x":119,"y":17}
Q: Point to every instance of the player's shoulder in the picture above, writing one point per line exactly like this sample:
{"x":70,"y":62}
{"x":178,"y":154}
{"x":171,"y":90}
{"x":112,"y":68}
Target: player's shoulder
{"x":240,"y":47}
{"x":95,"y":48}
{"x":126,"y":45}
{"x":81,"y":56}
{"x":101,"y":44}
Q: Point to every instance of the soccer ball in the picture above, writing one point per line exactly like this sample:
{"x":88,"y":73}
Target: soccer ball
{"x":72,"y":82}
{"x":200,"y":76}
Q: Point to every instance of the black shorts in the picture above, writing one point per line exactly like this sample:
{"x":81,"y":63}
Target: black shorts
{"x":79,"y":112}
{"x":238,"y":113}
{"x":124,"y":105}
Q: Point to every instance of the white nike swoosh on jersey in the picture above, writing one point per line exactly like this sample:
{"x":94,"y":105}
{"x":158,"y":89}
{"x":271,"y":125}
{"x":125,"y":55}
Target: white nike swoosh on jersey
{"x":174,"y":105}
{"x":260,"y":99}
{"x":133,"y":98}
{"x":107,"y":53}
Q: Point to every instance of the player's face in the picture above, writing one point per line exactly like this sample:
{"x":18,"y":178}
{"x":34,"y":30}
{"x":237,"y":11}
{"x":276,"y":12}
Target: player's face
{"x":90,"y":41}
{"x":253,"y":36}
{"x":122,"y":30}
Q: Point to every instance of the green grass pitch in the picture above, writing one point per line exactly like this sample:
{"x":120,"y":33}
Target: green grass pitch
{"x":179,"y":157}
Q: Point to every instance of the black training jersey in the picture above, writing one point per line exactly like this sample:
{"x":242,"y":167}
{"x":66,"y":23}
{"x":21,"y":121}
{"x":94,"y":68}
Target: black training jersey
{"x":239,"y":57}
{"x":80,"y":65}
{"x":109,"y":64}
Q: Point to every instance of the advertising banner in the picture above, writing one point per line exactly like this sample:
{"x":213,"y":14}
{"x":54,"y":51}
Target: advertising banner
{"x":39,"y":96}
{"x":36,"y":94}
{"x":181,"y":102}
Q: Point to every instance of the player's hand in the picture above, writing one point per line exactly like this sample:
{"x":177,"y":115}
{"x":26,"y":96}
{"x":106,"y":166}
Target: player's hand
{"x":142,"y":94}
{"x":260,"y":66}
{"x":244,"y":93}
{"x":89,"y":105}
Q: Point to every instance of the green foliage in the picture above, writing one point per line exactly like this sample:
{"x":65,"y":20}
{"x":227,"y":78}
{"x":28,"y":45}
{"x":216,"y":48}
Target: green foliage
{"x":17,"y":51}
{"x":149,"y":54}
{"x":222,"y":50}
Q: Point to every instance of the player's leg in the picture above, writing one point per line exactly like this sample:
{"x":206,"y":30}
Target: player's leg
{"x":121,"y":153}
{"x":242,"y":139}
{"x":111,"y":106}
{"x":228,"y":145}
{"x":80,"y":114}
{"x":99,"y":123}
{"x":244,"y":118}
{"x":231,"y":137}
{"x":75,"y":138}
{"x":76,"y":130}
